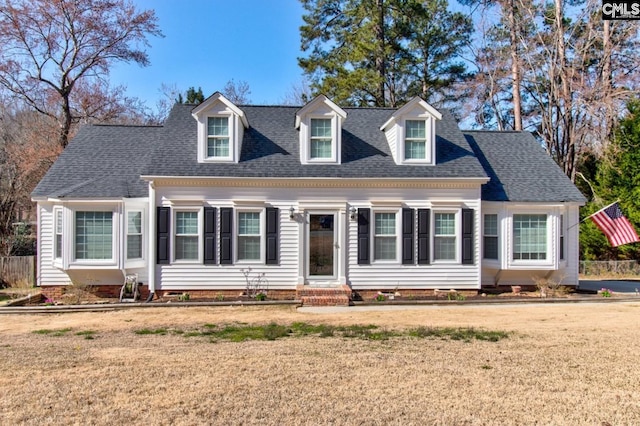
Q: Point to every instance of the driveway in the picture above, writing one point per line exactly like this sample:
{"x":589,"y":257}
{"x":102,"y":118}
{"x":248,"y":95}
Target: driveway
{"x":618,"y":286}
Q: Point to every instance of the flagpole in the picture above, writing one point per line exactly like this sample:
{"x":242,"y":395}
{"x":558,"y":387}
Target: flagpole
{"x":593,"y":214}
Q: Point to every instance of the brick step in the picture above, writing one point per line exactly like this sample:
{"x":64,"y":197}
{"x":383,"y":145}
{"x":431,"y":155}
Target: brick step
{"x":334,"y":300}
{"x":324,"y":296}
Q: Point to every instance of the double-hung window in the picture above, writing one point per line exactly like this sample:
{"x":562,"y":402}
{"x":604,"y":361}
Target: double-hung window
{"x":218,"y":137}
{"x":186,"y":236}
{"x":444,"y":241}
{"x":490,"y":240}
{"x":249,"y":236}
{"x":93,"y":235}
{"x":385,"y":237}
{"x":134,"y":235}
{"x":58,"y":234}
{"x":529,"y":236}
{"x":321,"y":140}
{"x":415,"y":141}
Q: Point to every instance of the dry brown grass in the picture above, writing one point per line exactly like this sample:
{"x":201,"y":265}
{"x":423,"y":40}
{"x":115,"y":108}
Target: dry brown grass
{"x":562,"y":364}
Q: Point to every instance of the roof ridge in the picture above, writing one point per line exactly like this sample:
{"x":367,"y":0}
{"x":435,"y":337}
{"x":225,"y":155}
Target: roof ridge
{"x":143,"y":126}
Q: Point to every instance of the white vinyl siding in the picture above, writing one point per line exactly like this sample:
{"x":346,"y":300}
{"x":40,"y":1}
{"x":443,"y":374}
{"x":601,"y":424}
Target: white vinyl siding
{"x":444,"y":241}
{"x":93,"y":235}
{"x":385,"y":237}
{"x":134,"y":235}
{"x":249,"y":236}
{"x":217,"y":137}
{"x":186,"y":236}
{"x":321,"y":142}
{"x":529,"y":236}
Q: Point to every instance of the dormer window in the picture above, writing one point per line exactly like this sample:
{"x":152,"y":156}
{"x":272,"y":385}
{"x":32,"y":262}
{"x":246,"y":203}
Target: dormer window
{"x":320,"y":126}
{"x":221,"y":127}
{"x":411,"y":133}
{"x":321,"y":139}
{"x":415,"y":140}
{"x":217,"y":137}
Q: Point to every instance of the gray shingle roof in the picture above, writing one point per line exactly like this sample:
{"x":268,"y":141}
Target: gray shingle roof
{"x":271,"y":148}
{"x":107,"y":161}
{"x":101,"y":162}
{"x":520,"y":169}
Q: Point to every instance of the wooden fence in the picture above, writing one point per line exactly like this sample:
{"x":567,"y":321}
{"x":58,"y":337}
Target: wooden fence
{"x":610,"y":268}
{"x":18,"y":268}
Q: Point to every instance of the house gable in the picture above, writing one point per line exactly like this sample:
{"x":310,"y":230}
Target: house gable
{"x":221,"y":126}
{"x":411,"y":133}
{"x":320,"y":131}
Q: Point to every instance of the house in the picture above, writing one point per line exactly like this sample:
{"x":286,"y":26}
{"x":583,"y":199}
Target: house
{"x":316,"y":197}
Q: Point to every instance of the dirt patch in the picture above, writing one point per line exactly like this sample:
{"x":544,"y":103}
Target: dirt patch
{"x":561,"y":364}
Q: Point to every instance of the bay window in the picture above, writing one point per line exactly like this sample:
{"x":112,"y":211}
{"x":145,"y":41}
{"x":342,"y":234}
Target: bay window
{"x":93,"y":235}
{"x":529,"y":236}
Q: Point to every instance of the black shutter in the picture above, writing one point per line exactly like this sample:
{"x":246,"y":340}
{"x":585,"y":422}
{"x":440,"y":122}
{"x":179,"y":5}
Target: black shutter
{"x":226,"y":235}
{"x":209,"y":236}
{"x":364,"y":216}
{"x":163,"y":216}
{"x":424,"y":242}
{"x":407,"y":236}
{"x":467,"y":237}
{"x":273,"y":216}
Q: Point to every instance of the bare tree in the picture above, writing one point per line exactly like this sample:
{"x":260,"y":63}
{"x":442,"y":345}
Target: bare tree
{"x":238,"y":93}
{"x":52,"y":47}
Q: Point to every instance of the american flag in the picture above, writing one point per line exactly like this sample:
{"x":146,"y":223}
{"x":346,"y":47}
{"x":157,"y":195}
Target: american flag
{"x":615,"y":226}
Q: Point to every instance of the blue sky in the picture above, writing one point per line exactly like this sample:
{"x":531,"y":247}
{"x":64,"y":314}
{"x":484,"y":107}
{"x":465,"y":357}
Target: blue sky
{"x":209,"y":42}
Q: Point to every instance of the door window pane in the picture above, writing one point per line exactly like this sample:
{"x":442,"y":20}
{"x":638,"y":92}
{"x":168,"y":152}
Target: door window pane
{"x":321,"y":245}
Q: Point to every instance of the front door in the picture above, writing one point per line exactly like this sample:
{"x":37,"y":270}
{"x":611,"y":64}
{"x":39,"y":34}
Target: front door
{"x":321,"y":248}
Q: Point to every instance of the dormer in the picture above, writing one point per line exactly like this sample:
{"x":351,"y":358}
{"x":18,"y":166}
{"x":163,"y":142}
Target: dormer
{"x":411,"y":133}
{"x":221,"y":127}
{"x":320,"y":128}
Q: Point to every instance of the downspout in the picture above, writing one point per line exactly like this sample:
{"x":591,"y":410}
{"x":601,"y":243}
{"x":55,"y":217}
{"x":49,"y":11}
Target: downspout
{"x":151,"y":255}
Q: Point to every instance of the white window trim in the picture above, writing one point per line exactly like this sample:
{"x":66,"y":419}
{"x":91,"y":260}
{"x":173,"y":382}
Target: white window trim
{"x":203,"y":129}
{"x":549,"y":255}
{"x":305,"y":133}
{"x":430,"y":137}
{"x":457,"y":234}
{"x":58,"y":260}
{"x":497,"y":236}
{"x":398,"y":232}
{"x":126,"y":235}
{"x":114,"y":238}
{"x":174,"y":214}
{"x":236,"y":235}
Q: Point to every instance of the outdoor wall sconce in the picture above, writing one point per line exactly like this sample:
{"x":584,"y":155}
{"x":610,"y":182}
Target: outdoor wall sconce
{"x":353,"y":212}
{"x":291,"y":212}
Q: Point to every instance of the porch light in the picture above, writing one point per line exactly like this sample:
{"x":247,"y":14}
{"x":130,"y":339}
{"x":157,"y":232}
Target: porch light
{"x":352,"y":212}
{"x":291,"y":212}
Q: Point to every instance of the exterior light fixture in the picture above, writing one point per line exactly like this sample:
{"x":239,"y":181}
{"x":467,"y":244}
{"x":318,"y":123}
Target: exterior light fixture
{"x":353,"y":212}
{"x":291,"y":212}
